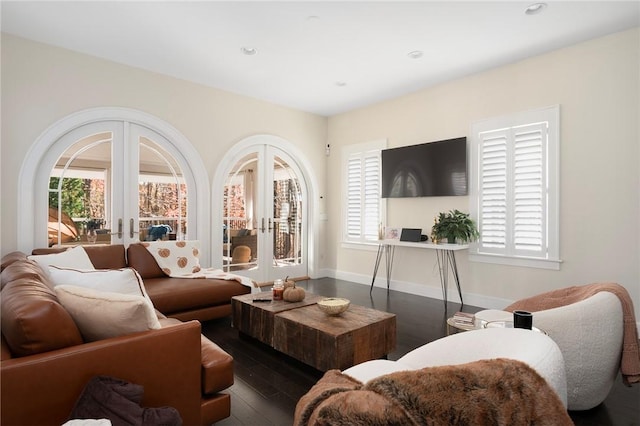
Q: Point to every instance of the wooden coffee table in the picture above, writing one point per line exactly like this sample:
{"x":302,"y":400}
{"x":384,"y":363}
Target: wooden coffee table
{"x":307,"y":334}
{"x":256,"y":319}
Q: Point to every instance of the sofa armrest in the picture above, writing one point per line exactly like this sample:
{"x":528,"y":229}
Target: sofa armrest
{"x":43,"y":388}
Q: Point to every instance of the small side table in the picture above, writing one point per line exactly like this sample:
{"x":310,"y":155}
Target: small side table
{"x":509,"y":324}
{"x":456,"y":327}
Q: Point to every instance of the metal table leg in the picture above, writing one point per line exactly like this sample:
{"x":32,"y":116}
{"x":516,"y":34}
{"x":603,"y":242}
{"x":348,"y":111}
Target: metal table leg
{"x":454,"y":269}
{"x":443,"y":267}
{"x":376,"y":265}
{"x":391,"y":251}
{"x":388,"y":251}
{"x":446,"y":259}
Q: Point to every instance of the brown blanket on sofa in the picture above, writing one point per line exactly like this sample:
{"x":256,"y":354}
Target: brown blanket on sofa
{"x":630,"y":361}
{"x":487,"y":392}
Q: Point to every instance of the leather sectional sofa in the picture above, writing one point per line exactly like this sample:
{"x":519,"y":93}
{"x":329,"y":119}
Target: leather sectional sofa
{"x":45,"y":363}
{"x":180,"y":298}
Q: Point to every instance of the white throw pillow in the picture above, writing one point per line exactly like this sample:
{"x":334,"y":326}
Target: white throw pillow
{"x":76,"y":258}
{"x":125,"y":281}
{"x":101,"y":315}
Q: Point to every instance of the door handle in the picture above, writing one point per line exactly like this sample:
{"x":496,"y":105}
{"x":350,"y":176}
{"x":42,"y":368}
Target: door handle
{"x":270,"y":228}
{"x":262,"y":227}
{"x":119,"y":233}
{"x":131,"y":231}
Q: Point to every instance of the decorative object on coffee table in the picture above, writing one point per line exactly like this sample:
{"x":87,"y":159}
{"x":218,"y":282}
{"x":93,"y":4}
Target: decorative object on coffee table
{"x":455,"y":226}
{"x":333,"y":305}
{"x":293,"y":294}
{"x":278,"y":290}
{"x":289,"y":283}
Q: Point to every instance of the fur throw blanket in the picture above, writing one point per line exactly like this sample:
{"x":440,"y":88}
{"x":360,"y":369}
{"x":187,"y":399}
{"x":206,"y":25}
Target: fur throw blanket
{"x":630,"y":361}
{"x":486,"y":392}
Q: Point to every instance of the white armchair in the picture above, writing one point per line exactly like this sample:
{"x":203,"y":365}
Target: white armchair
{"x":535,"y":349}
{"x":589,"y":333}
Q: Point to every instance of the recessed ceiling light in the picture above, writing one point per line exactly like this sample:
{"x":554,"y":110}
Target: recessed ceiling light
{"x":248,"y":50}
{"x":415,"y":54}
{"x":341,"y":83}
{"x":534,"y":8}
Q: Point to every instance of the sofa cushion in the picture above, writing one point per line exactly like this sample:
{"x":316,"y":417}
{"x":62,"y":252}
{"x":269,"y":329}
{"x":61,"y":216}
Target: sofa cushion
{"x":9,"y":258}
{"x":32,"y":319}
{"x":107,"y":256}
{"x":75,"y":257}
{"x":5,"y":352}
{"x":217,"y":367}
{"x":23,"y":269}
{"x":171,"y":295}
{"x":139,"y":258}
{"x":101,"y":315}
{"x":103,"y":256}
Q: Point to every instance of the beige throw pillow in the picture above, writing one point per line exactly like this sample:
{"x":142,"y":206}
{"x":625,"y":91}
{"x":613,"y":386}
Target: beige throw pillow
{"x":101,"y":315}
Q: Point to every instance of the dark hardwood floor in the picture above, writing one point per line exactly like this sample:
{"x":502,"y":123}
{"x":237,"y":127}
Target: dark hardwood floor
{"x":268,"y":384}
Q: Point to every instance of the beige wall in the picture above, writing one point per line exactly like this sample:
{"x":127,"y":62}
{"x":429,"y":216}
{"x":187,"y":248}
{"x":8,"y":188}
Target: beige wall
{"x":597,"y":87}
{"x":42,"y":84}
{"x":595,"y":83}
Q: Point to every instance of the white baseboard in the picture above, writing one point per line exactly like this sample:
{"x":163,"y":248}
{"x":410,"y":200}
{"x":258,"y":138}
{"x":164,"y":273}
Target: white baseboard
{"x":479,"y":300}
{"x":473,"y":299}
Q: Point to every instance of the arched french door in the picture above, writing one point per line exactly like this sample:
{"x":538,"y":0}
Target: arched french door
{"x":264,"y":212}
{"x":115,"y":184}
{"x":119,"y":171}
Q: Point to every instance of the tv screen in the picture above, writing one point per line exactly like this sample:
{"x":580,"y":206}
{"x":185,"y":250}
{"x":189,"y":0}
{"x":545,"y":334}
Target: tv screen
{"x":433,"y":169}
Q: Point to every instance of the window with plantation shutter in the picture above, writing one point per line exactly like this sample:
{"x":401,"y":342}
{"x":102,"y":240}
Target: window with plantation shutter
{"x":514,"y":188}
{"x":362,"y":201}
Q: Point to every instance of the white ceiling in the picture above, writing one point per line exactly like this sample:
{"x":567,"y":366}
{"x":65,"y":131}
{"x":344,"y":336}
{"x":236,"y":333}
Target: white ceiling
{"x":305,"y":48}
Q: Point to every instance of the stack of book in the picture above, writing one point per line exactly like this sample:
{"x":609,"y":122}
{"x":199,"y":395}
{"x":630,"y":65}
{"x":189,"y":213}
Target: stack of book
{"x":464,"y":318}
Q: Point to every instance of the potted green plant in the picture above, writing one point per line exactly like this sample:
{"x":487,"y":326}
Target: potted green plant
{"x":455,"y":226}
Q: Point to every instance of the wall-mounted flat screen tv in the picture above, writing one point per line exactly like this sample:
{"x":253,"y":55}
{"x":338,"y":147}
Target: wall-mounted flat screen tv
{"x":433,"y":169}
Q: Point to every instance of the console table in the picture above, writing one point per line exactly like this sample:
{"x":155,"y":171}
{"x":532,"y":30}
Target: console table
{"x":445,"y":253}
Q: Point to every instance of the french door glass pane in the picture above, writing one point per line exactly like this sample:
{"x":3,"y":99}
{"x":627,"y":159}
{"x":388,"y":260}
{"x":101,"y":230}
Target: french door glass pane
{"x":287,"y":215}
{"x":162,"y":201}
{"x":79,"y":188}
{"x":240,"y":239}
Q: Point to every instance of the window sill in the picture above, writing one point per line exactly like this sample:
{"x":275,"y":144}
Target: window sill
{"x":369,"y":245}
{"x":525,"y":262}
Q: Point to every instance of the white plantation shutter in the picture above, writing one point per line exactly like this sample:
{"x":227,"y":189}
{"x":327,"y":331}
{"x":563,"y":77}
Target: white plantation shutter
{"x":514,"y":194}
{"x":371,"y":199}
{"x":354,"y":197}
{"x":529,"y":188}
{"x":493,"y":190}
{"x":362,"y":202}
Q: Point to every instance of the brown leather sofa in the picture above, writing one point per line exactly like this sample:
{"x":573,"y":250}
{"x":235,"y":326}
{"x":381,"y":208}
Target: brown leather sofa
{"x":181,"y":298}
{"x":45,"y":364}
